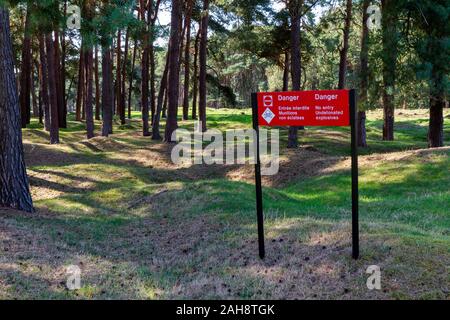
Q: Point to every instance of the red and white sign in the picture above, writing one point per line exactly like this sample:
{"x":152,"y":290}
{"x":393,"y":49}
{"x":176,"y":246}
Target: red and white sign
{"x":304,"y":108}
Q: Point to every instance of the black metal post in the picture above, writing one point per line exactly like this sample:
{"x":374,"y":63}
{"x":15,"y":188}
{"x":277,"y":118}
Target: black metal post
{"x":355,"y":192}
{"x":259,"y":200}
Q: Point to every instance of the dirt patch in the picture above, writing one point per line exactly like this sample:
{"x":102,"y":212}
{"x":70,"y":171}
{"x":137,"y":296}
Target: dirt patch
{"x":303,"y":162}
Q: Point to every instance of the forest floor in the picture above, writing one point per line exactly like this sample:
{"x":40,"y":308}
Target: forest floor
{"x":140,"y":227}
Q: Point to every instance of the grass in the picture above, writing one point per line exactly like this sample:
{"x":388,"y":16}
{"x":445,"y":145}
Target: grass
{"x":139,"y":227}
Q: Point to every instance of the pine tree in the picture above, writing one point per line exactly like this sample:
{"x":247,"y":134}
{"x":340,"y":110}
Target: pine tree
{"x":14,"y":188}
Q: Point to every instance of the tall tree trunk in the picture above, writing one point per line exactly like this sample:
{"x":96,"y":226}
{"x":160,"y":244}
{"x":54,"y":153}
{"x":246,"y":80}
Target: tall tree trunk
{"x":62,"y":118}
{"x":40,"y":106}
{"x":389,"y":66}
{"x":187,"y":59}
{"x":295,"y":13}
{"x":97,"y":86}
{"x":25,"y":73}
{"x":124,"y":78}
{"x":107,"y":91}
{"x":364,"y":77}
{"x":174,"y":71}
{"x":166,"y":99}
{"x":89,"y":93}
{"x":344,"y":51}
{"x":44,"y":82}
{"x":63,"y":69}
{"x":120,"y":108}
{"x":159,"y":107}
{"x":152,"y":68}
{"x":80,"y":89}
{"x":145,"y":15}
{"x":54,"y":124}
{"x":33,"y":94}
{"x":195,"y":89}
{"x":14,"y":187}
{"x":203,"y":61}
{"x":130,"y":80}
{"x":437,"y":105}
{"x":286,"y":72}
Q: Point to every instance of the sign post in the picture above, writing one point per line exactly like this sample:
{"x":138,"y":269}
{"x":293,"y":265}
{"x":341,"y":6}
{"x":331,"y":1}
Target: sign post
{"x":259,"y":200}
{"x":307,"y":108}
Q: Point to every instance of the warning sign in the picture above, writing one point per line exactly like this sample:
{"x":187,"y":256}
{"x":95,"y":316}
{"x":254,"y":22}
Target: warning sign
{"x":304,"y":108}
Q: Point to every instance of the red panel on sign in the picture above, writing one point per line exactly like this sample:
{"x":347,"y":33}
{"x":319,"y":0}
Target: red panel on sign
{"x":304,"y":108}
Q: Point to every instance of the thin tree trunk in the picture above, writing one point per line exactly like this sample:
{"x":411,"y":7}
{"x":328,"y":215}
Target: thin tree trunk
{"x":286,"y":72}
{"x":97,"y":87}
{"x":166,"y":99}
{"x":145,"y":15}
{"x":14,"y":186}
{"x":54,"y":125}
{"x":187,"y":58}
{"x":203,"y":61}
{"x":195,"y":89}
{"x":89,"y":94}
{"x":107,"y":91}
{"x":80,"y":89}
{"x":33,"y":94}
{"x":124,"y":77}
{"x":152,"y":72}
{"x":364,"y":77}
{"x":62,"y":119}
{"x":389,"y":66}
{"x":25,"y":73}
{"x":40,"y":105}
{"x":159,"y":108}
{"x":295,"y":13}
{"x":119,"y":107}
{"x":130,"y":80}
{"x":44,"y":82}
{"x":63,"y":69}
{"x":345,"y":45}
{"x":174,"y":71}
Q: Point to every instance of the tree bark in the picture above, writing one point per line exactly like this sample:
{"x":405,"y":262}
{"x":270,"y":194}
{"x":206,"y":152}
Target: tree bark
{"x":107,"y":91}
{"x":159,"y":107}
{"x":44,"y":82}
{"x":124,"y":78}
{"x":437,"y":105}
{"x":145,"y":15}
{"x":25,"y":74}
{"x":187,"y":59}
{"x":14,"y":187}
{"x":286,"y":72}
{"x":152,"y":62}
{"x":80,"y":89}
{"x":345,"y":46}
{"x":62,"y":117}
{"x":389,"y":66}
{"x":97,"y":87}
{"x":364,"y":77}
{"x":120,"y":110}
{"x":195,"y":89}
{"x":296,"y":71}
{"x":54,"y":119}
{"x":33,"y":94}
{"x":89,"y":93}
{"x":174,"y":71}
{"x":130,"y":80}
{"x":203,"y":61}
